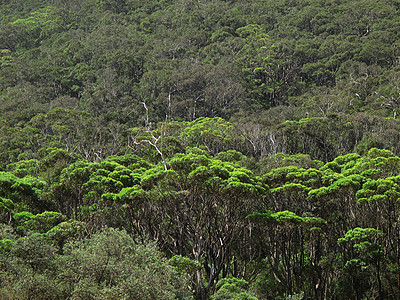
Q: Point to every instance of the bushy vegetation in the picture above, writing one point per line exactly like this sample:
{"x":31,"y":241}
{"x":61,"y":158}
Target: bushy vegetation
{"x":199,"y":149}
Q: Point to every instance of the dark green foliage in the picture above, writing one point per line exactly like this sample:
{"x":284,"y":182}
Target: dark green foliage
{"x":107,"y":265}
{"x":187,"y":60}
{"x":111,"y":265}
{"x":176,"y":120}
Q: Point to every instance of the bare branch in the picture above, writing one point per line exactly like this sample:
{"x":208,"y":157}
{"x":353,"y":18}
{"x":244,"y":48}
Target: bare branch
{"x":155,"y":142}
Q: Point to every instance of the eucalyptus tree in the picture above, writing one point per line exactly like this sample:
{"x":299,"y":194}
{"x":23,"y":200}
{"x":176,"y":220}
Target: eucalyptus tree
{"x":197,"y":208}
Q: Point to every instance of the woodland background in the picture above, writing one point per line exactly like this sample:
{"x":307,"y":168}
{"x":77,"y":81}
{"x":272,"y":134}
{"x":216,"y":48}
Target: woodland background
{"x":202,"y":149}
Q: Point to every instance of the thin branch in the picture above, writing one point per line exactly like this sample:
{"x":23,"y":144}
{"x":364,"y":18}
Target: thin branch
{"x":154,"y":141}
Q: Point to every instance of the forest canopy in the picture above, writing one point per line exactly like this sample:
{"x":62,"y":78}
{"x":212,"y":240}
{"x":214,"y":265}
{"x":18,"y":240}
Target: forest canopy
{"x":216,"y":149}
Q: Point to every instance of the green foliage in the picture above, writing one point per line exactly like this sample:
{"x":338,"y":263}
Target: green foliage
{"x":232,"y":288}
{"x":358,"y":234}
{"x":23,"y":192}
{"x":66,"y":230}
{"x":188,"y":202}
{"x":110,"y":264}
{"x":254,"y":59}
{"x":6,"y":245}
{"x":286,"y":218}
{"x":184,"y":265}
{"x":157,"y":117}
{"x":43,"y":222}
{"x":107,"y":265}
{"x":33,"y":251}
{"x":234,"y":58}
{"x":22,"y":217}
{"x":6,"y":208}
